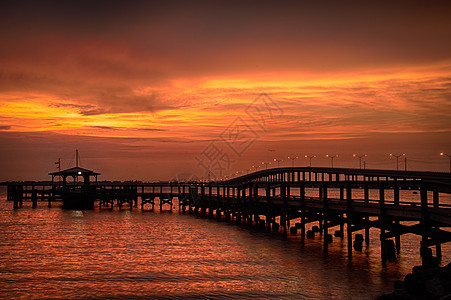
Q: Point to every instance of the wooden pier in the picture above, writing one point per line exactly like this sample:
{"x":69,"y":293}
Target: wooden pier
{"x":272,"y":199}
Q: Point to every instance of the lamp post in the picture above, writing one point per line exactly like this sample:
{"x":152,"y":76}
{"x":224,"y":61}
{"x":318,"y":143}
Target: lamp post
{"x":332,"y":158}
{"x":360,"y":158}
{"x":278,"y":162}
{"x":266,"y":164}
{"x":310,"y":158}
{"x":397,"y":159}
{"x":449,"y":156}
{"x":292,"y":159}
{"x":255,"y":167}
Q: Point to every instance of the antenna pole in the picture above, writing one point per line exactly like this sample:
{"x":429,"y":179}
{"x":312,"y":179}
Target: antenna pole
{"x":58,"y":163}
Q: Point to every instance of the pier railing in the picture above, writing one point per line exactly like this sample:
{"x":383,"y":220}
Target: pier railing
{"x":275,"y":198}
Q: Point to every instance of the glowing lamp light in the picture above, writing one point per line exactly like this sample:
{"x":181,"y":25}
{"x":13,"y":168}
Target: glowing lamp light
{"x":79,"y":172}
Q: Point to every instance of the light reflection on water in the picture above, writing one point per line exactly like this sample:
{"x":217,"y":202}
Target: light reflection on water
{"x":52,"y":253}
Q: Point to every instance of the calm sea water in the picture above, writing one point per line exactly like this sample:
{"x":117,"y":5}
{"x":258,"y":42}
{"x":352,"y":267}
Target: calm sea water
{"x":56,"y":254}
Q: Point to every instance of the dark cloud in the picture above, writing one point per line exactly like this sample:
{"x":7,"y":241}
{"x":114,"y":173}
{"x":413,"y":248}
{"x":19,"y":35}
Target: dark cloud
{"x":125,"y":128}
{"x":106,"y":127}
{"x":113,"y":101}
{"x":204,"y":37}
{"x":151,"y":129}
{"x":73,"y":105}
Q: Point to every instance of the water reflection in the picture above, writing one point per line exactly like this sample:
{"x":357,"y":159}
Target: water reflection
{"x":51,"y":253}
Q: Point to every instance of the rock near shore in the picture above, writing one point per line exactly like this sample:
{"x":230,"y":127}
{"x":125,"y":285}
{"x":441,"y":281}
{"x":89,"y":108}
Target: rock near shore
{"x":423,"y":283}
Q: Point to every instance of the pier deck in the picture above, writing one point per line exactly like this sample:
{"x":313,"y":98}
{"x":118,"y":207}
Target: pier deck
{"x":273,"y":198}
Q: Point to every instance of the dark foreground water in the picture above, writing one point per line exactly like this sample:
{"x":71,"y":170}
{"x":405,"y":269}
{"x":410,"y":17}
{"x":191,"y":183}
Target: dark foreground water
{"x":56,"y":254}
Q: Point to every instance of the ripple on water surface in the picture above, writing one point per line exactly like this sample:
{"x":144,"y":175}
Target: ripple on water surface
{"x":52,"y":253}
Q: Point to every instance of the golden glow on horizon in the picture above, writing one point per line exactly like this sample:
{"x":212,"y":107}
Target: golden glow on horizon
{"x":344,"y":106}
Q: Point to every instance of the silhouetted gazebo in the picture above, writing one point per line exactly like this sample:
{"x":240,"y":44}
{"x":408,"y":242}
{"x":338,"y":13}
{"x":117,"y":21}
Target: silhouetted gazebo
{"x":75,"y":173}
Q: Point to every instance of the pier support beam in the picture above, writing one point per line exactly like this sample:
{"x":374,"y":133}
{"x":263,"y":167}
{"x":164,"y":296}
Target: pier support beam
{"x":288,"y":211}
{"x":146,"y":199}
{"x":367,"y":218}
{"x":349,"y":218}
{"x":303,"y":212}
{"x":321,"y":217}
{"x":283,"y":217}
{"x":438,"y":248}
{"x":13,"y":194}
{"x":396,"y":222}
{"x":387,"y":246}
{"x":34,"y":198}
{"x":325,"y":215}
{"x":424,"y":250}
{"x":382,"y":219}
{"x":210,"y":205}
{"x":239,"y":203}
{"x":268,"y":206}
{"x":256,"y":204}
{"x":227,"y":207}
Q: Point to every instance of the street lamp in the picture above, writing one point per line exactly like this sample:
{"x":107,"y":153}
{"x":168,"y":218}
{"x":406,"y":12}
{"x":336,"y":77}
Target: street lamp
{"x":449,"y":156}
{"x":332,"y":158}
{"x":266,"y":164}
{"x":292,"y":159}
{"x":278,"y":162}
{"x":310,"y":158}
{"x":255,"y":167}
{"x":397,"y":159}
{"x":360,"y":158}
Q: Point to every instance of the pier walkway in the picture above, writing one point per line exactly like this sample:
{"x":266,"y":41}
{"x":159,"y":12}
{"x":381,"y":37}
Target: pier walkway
{"x":395,"y":202}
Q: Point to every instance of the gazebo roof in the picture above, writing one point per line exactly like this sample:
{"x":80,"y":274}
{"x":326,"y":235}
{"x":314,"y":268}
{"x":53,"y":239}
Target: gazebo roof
{"x":75,"y":171}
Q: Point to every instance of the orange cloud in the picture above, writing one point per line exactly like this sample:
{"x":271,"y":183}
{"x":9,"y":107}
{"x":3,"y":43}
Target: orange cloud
{"x":202,"y":108}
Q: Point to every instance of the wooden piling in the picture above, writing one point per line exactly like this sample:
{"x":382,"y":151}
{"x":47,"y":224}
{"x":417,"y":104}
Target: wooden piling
{"x":34,"y":198}
{"x":349,"y":218}
{"x":396,"y":226}
{"x":424,"y":223}
{"x":283,"y":217}
{"x":302,"y":196}
{"x":325,"y":215}
{"x":382,"y":219}
{"x":288,"y":195}
{"x":367,"y":218}
{"x":435,"y":199}
{"x":321,"y":217}
{"x":239,"y":203}
{"x":268,"y":205}
{"x":256,"y":203}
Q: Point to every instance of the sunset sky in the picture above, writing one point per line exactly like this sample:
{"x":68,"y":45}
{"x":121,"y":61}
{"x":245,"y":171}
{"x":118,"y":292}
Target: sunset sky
{"x":152,"y":90}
